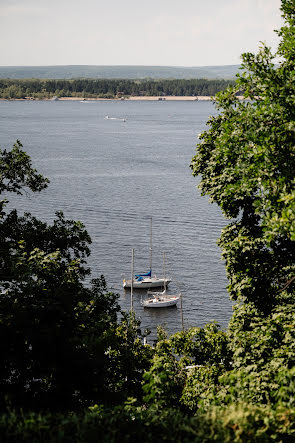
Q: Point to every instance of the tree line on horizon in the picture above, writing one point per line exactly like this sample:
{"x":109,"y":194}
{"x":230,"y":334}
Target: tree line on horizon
{"x":108,"y":88}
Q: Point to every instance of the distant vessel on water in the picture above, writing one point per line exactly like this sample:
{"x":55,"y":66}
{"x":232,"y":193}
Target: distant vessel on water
{"x":115,"y":118}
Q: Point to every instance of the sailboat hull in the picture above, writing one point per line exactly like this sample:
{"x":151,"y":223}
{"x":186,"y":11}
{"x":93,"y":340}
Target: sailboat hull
{"x":147,"y":283}
{"x":160,"y":302}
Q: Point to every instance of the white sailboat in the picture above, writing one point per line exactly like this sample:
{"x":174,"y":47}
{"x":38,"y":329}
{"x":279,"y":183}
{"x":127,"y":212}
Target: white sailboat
{"x":161,"y":299}
{"x":146,"y":280}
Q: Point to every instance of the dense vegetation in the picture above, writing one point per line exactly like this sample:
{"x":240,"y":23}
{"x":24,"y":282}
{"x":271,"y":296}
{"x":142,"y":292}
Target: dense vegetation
{"x":74,"y":369}
{"x":106,"y":88}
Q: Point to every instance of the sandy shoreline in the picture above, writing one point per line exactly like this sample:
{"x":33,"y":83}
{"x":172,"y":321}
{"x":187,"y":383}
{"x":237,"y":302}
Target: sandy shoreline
{"x":146,"y":98}
{"x":133,"y":98}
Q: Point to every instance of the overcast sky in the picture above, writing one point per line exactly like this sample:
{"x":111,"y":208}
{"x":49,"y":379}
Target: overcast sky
{"x":134,"y":32}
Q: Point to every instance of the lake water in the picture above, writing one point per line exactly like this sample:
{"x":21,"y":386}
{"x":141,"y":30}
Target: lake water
{"x":113,"y":176}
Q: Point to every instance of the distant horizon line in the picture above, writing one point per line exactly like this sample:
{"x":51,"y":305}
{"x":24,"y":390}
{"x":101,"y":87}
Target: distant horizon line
{"x":153,"y":66}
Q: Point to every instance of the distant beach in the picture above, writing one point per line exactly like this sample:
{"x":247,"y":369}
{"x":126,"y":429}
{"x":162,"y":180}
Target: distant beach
{"x":142,"y":97}
{"x":131,"y":98}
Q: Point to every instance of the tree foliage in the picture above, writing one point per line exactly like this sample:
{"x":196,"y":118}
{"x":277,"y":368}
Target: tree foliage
{"x":185,"y":366}
{"x":108,"y":88}
{"x":16,"y":172}
{"x":62,"y":346}
{"x":247,"y":161}
{"x":240,"y":423}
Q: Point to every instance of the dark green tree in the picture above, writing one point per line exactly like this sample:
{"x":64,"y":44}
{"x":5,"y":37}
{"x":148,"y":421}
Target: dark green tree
{"x":185,"y":368}
{"x":246,"y":160}
{"x":60,"y":340}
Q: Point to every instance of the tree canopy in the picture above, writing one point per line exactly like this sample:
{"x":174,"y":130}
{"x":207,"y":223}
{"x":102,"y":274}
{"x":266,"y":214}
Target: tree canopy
{"x":60,"y":339}
{"x":108,"y":88}
{"x":246,"y":161}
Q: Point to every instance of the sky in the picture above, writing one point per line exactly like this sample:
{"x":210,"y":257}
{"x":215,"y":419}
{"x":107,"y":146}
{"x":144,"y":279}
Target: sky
{"x":134,"y":32}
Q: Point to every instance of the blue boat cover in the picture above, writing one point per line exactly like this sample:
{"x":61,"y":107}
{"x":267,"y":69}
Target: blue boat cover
{"x":147,"y":274}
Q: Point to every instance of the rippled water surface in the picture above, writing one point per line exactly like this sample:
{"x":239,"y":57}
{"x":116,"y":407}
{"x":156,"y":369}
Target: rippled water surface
{"x":113,"y":176}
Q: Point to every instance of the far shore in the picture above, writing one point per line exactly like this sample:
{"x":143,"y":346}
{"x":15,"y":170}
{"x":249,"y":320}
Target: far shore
{"x":131,"y":98}
{"x":144,"y":97}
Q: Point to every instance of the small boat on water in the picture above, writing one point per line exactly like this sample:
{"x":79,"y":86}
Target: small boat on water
{"x":146,"y":280}
{"x":115,"y":118}
{"x":160,"y":300}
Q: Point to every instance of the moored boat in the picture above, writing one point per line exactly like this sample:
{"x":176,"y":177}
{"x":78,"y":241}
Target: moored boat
{"x":160,"y":300}
{"x":146,"y":282}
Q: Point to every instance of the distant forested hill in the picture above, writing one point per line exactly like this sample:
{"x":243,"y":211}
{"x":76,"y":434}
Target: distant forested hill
{"x":119,"y":72}
{"x":107,"y":88}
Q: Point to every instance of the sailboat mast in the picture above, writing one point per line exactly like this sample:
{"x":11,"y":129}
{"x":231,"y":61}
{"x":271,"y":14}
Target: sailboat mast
{"x":131,"y":288}
{"x":164,"y":270}
{"x":151,"y":246}
{"x":181,"y":310}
